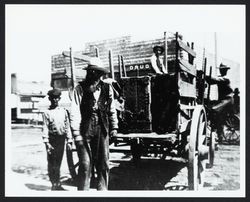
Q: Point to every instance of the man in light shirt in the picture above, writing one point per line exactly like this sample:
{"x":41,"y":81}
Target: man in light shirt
{"x":157,"y":61}
{"x":93,"y":119}
{"x":55,"y":130}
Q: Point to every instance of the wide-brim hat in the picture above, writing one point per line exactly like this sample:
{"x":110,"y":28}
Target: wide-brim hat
{"x":55,"y":93}
{"x":96,"y":64}
{"x":222,"y":66}
{"x":158,"y":47}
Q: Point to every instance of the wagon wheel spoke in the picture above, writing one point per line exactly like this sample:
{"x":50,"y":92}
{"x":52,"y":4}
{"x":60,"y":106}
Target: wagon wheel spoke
{"x":233,"y":136}
{"x":202,"y":138}
{"x":229,"y":122}
{"x":76,"y":165}
{"x":237,"y":136}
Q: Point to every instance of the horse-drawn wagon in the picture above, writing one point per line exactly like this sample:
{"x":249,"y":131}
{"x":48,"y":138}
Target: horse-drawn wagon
{"x":162,"y":116}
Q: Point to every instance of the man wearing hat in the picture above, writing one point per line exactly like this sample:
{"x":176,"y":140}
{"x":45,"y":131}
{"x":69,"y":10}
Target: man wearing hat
{"x":56,"y":129}
{"x":225,"y":97}
{"x":93,"y":119}
{"x":157,"y":62}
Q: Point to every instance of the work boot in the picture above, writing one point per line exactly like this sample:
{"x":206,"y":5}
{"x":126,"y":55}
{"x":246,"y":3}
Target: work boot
{"x":57,"y":187}
{"x":53,"y":187}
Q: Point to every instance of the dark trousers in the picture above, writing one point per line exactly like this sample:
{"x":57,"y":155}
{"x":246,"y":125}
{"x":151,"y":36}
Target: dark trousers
{"x":93,"y":153}
{"x":221,"y":109}
{"x":55,"y":158}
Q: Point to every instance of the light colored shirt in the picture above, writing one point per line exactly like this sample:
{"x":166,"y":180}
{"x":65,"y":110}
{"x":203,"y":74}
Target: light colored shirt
{"x":155,"y":66}
{"x":96,"y":96}
{"x":56,"y":122}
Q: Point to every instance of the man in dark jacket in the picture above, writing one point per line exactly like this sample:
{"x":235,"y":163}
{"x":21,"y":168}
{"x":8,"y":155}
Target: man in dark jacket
{"x":93,"y":119}
{"x":225,"y":97}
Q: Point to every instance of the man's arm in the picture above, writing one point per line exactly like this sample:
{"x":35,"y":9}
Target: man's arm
{"x":75,"y":113}
{"x":68,"y":129}
{"x":45,"y":135}
{"x":216,"y":80}
{"x":113,"y":121}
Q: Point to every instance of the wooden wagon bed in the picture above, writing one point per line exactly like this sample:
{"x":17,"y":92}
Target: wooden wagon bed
{"x":168,"y":136}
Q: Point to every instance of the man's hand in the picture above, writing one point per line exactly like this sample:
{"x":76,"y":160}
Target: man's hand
{"x":49,"y":147}
{"x":69,"y":146}
{"x":79,"y":143}
{"x":113,"y":133}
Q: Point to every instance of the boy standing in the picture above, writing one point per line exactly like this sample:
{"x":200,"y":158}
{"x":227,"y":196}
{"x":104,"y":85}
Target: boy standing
{"x":56,"y":129}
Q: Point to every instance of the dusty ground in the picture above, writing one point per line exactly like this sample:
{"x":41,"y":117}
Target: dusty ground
{"x":28,"y":157}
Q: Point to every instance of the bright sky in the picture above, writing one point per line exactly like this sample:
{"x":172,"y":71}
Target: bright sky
{"x":36,"y":32}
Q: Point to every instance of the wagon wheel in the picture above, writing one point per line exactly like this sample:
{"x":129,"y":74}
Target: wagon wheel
{"x":73,"y":163}
{"x":231,"y":129}
{"x":197,"y":148}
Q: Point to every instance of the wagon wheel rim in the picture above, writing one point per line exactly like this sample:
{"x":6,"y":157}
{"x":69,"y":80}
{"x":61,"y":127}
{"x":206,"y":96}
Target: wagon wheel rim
{"x":197,"y":148}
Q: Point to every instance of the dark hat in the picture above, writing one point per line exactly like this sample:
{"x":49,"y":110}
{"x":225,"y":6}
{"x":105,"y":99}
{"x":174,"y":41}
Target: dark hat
{"x":158,"y":47}
{"x":236,"y":91}
{"x":54,"y":93}
{"x":96,"y":64}
{"x":222,"y":66}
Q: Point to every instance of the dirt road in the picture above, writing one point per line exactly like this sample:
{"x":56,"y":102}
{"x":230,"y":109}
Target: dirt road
{"x":28,"y":157}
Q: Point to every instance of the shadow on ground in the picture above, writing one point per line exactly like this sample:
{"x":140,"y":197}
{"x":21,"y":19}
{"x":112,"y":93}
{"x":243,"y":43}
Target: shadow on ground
{"x":149,"y":174}
{"x":37,"y":187}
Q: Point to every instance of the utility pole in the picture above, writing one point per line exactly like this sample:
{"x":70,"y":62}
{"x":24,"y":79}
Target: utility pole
{"x":72,"y":67}
{"x":97,"y":52}
{"x":111,"y":66}
{"x":215,"y":51}
{"x":166,"y":51}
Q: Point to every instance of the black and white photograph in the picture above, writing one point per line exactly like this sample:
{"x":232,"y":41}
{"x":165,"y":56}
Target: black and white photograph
{"x":125,"y":100}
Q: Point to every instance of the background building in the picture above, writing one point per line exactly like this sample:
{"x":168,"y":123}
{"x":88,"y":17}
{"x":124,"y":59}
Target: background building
{"x":25,"y":97}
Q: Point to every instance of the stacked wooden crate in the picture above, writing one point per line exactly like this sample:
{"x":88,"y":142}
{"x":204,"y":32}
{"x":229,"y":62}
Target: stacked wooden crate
{"x":137,"y":115}
{"x":150,"y":104}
